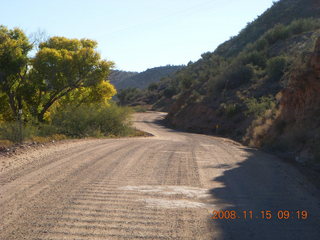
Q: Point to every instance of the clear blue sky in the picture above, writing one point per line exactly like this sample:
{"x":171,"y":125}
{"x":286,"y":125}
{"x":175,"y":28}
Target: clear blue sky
{"x":138,"y":34}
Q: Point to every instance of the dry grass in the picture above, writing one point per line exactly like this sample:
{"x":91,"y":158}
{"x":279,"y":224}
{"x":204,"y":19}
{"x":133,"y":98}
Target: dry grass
{"x":261,"y":128}
{"x":133,"y":133}
{"x":4,"y":144}
{"x":55,"y":137}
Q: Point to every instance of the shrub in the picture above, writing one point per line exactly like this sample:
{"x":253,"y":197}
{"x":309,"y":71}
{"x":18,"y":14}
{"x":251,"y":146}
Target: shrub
{"x":261,"y":44}
{"x":45,"y":130}
{"x":128,"y":95}
{"x":276,"y":67}
{"x":258,"y":131}
{"x":279,"y":32}
{"x":169,"y":92}
{"x":303,"y":25}
{"x":186,"y":82}
{"x":254,"y":58}
{"x":93,"y":121}
{"x":261,"y":130}
{"x":257,"y":107}
{"x":232,"y":77}
{"x":282,"y":32}
{"x":230,"y":109}
{"x":11,"y":131}
{"x":238,"y":75}
{"x":195,"y":96}
{"x":216,"y":84}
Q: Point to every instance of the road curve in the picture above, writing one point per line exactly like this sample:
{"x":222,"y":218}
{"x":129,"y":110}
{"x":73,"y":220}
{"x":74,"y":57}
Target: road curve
{"x":161,"y":187}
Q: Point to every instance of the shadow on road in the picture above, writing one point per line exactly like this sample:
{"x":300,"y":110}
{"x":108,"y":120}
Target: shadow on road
{"x":263,"y":183}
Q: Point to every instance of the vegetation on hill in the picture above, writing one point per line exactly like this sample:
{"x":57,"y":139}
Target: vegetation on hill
{"x":123,"y":80}
{"x":117,"y":76}
{"x":282,"y":12}
{"x":61,"y":90}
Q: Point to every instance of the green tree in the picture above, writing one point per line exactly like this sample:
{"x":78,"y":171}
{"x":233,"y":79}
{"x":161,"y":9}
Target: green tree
{"x":14,"y":48}
{"x":60,"y":67}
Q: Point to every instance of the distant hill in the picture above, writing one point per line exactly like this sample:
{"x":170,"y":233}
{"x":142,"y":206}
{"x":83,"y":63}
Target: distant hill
{"x":123,"y":79}
{"x":117,"y":76}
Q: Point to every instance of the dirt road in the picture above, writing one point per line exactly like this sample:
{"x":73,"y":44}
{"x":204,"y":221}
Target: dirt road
{"x":161,"y":187}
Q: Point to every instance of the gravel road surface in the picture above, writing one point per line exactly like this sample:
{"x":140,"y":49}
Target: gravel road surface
{"x":161,"y":187}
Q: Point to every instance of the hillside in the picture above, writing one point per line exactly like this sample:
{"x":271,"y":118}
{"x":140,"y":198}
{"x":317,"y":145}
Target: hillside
{"x":239,"y":90}
{"x":122,"y":79}
{"x":282,"y":12}
{"x":117,"y":76}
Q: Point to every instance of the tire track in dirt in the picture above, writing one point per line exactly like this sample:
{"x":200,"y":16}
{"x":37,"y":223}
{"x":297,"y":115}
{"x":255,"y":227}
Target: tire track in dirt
{"x":58,"y":188}
{"x":95,"y":210}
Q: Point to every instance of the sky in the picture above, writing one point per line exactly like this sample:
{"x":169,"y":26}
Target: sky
{"x":137,"y":34}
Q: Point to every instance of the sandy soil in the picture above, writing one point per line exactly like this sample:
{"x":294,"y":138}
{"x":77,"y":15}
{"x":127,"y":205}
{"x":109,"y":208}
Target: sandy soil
{"x":160,"y":187}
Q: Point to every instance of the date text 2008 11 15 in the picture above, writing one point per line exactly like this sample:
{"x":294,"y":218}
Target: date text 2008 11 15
{"x":263,"y":214}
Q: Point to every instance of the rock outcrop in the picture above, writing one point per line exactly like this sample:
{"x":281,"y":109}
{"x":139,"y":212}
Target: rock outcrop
{"x":300,"y":101}
{"x":298,"y":122}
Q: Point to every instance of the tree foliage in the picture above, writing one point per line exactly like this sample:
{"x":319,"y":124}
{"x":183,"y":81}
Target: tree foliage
{"x":14,"y":48}
{"x":63,"y":71}
{"x":64,"y":65}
